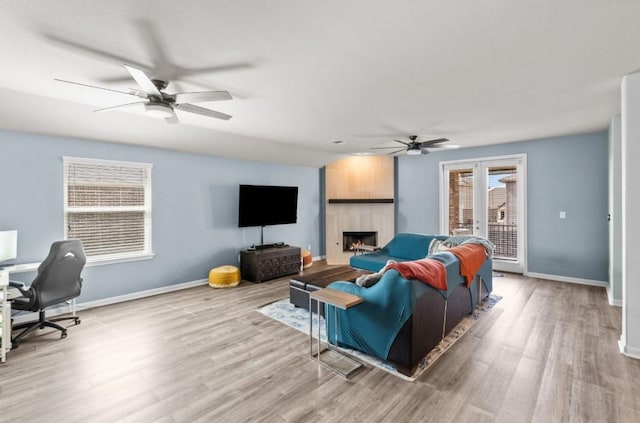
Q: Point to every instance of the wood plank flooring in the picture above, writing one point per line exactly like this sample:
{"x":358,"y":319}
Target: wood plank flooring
{"x":546,"y":353}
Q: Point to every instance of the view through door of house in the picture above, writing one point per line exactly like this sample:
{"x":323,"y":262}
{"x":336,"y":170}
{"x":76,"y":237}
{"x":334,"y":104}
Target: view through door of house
{"x":502,"y":211}
{"x":461,"y":204}
{"x":484,"y":198}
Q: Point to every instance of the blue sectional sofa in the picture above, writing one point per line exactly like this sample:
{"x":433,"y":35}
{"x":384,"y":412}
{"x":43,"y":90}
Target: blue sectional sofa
{"x":402,"y":320}
{"x":403,"y":247}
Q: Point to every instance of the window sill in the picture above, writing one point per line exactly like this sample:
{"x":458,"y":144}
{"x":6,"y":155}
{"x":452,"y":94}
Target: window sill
{"x":100,"y":261}
{"x":91,"y":262}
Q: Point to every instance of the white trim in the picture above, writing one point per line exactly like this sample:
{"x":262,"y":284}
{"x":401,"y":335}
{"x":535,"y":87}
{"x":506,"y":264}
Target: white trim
{"x":54,"y":311}
{"x":632,"y":352}
{"x":485,"y":159}
{"x":70,"y":159}
{"x":569,"y":279}
{"x":91,"y":262}
{"x":102,"y":260}
{"x":612,"y":301}
{"x":141,"y":294}
{"x":319,"y":258}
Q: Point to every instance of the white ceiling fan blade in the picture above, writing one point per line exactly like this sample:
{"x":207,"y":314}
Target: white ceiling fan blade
{"x":107,"y":109}
{"x":186,"y":107}
{"x":138,"y":94}
{"x":144,"y":81}
{"x":202,"y":96}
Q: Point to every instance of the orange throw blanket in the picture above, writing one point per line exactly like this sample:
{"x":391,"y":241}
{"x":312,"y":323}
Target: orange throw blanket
{"x":471,"y":257}
{"x":430,"y":271}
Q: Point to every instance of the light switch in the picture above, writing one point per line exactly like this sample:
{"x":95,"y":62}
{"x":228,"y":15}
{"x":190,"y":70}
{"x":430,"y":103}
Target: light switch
{"x":563,"y":215}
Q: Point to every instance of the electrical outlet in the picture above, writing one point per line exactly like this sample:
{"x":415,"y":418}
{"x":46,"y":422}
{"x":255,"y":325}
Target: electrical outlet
{"x":563,"y":215}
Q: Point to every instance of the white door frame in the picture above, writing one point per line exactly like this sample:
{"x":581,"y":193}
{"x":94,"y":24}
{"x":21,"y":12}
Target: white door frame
{"x":479,"y":210}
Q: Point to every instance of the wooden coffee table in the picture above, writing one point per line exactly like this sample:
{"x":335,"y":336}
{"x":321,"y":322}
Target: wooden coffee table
{"x":301,"y":285}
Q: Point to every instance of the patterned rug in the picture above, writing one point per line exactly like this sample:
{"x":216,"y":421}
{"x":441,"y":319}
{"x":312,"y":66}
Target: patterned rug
{"x":298,"y":318}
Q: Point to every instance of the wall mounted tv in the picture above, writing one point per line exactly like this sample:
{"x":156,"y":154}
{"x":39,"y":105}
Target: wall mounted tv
{"x":262,"y":205}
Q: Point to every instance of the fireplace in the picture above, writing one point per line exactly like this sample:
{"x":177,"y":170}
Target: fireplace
{"x":351,"y":240}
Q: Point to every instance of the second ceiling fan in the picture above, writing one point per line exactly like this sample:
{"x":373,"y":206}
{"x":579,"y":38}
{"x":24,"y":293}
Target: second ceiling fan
{"x":415,"y":147}
{"x":160,"y":104}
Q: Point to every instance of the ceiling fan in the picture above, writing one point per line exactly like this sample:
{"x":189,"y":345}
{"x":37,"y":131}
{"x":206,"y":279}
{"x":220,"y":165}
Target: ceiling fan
{"x":415,"y":147}
{"x":159,"y":104}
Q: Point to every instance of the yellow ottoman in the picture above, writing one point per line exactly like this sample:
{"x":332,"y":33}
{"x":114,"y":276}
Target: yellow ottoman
{"x":224,"y":277}
{"x":307,"y":258}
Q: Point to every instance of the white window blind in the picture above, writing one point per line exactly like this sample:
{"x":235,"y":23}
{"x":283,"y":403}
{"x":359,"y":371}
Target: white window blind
{"x":107,"y":206}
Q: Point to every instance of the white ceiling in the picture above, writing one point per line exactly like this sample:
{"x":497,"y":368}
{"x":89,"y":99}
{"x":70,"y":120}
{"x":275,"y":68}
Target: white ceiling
{"x":312,"y":72}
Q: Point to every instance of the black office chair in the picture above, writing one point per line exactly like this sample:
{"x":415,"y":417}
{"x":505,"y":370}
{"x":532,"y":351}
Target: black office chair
{"x":58,"y":280}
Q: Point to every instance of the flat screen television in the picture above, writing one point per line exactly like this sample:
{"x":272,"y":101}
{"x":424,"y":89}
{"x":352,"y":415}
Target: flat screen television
{"x":262,"y":205}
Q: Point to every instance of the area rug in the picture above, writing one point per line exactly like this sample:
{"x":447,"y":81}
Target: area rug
{"x":298,"y":318}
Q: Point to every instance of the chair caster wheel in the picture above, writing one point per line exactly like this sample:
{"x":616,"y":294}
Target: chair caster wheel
{"x":63,"y":334}
{"x":15,"y":345}
{"x":78,"y":321}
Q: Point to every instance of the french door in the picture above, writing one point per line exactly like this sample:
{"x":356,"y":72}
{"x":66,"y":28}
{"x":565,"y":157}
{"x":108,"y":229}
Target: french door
{"x":487,"y":197}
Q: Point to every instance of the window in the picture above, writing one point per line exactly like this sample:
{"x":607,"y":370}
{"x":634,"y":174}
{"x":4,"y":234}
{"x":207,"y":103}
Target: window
{"x":107,"y":205}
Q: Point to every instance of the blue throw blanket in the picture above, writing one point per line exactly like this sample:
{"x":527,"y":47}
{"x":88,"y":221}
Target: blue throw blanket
{"x":372,"y":326}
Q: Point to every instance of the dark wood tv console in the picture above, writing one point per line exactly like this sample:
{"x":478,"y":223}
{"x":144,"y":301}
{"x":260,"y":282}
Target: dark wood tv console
{"x":269,"y":263}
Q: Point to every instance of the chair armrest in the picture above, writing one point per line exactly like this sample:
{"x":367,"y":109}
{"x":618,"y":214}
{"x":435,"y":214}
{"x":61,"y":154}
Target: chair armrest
{"x":17,"y":284}
{"x":21,"y":287}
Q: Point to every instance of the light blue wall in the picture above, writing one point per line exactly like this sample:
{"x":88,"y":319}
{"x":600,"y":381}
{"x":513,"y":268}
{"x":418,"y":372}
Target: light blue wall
{"x":194,"y":200}
{"x":564,"y":173}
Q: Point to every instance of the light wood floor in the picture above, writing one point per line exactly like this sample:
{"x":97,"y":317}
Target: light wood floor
{"x":547,"y":352}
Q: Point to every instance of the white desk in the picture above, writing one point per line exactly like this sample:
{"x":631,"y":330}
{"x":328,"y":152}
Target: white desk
{"x":5,"y":313}
{"x":5,"y":305}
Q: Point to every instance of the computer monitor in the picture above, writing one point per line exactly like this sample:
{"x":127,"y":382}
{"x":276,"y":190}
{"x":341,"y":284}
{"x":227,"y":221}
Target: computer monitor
{"x":8,"y":245}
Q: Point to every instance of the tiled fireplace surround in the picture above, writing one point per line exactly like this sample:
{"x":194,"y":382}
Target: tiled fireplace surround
{"x":360,"y":195}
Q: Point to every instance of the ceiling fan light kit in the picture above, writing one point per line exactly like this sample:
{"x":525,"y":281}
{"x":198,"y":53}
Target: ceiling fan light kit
{"x":158,"y":110}
{"x":413,"y":152}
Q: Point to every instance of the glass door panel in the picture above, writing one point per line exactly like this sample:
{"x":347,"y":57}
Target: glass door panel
{"x":502,"y":210}
{"x":461,"y":201}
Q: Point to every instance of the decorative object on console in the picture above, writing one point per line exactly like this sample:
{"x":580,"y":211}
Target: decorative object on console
{"x":224,"y":277}
{"x":307,"y":259}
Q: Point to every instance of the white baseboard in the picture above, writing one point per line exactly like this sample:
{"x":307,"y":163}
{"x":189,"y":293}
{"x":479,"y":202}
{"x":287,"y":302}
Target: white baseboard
{"x":567,"y":279}
{"x":632,"y":352}
{"x":319,"y":258}
{"x":140,"y":294}
{"x":54,"y":311}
